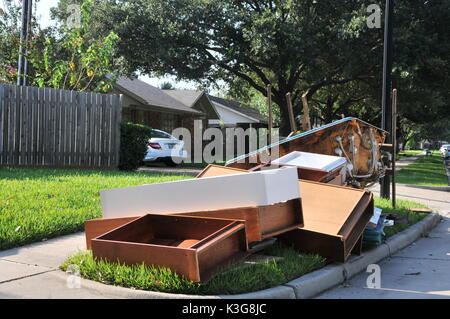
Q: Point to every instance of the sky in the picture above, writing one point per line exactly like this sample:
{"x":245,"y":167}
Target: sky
{"x":43,"y":16}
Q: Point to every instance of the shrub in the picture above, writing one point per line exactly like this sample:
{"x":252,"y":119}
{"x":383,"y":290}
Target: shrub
{"x":133,"y":145}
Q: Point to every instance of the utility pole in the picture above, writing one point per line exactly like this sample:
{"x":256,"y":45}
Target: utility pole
{"x":386,"y":122}
{"x":22,"y":69}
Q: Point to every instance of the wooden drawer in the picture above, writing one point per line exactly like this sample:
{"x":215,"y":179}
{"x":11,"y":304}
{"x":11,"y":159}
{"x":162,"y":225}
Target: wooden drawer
{"x":193,"y":247}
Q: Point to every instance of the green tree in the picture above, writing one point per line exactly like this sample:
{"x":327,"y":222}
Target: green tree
{"x":10,"y":21}
{"x":261,"y":42}
{"x":167,"y":86}
{"x":73,"y":61}
{"x":61,"y":57}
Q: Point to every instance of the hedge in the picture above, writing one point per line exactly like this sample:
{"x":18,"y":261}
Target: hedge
{"x":133,"y":145}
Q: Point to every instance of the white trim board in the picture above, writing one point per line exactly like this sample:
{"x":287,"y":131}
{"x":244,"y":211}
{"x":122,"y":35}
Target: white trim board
{"x":209,"y":193}
{"x":311,"y":160}
{"x":234,"y":111}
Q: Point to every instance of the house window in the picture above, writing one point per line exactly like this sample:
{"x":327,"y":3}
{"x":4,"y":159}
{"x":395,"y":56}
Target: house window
{"x":168,"y":122}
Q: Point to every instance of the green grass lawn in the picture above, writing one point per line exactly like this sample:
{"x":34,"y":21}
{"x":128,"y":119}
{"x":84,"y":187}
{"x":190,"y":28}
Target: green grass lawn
{"x":426,"y":170}
{"x":37,"y":204}
{"x":402,"y":211}
{"x":408,"y":153}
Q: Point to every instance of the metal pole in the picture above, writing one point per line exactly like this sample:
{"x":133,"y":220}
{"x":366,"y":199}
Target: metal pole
{"x":394,"y":142}
{"x":26,"y":26}
{"x":386,"y":122}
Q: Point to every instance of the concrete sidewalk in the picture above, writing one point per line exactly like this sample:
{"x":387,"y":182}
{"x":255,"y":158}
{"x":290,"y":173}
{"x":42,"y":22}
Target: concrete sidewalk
{"x":421,"y":270}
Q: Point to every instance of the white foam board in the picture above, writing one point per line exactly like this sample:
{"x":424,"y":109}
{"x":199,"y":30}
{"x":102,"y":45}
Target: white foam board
{"x":311,"y":160}
{"x":375,"y":217}
{"x":209,"y":193}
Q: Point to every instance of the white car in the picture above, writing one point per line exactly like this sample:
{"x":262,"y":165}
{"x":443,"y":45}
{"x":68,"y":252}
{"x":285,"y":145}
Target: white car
{"x":163,"y":147}
{"x":445,"y":150}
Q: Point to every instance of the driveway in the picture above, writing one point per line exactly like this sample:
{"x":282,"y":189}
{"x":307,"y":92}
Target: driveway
{"x":161,"y":168}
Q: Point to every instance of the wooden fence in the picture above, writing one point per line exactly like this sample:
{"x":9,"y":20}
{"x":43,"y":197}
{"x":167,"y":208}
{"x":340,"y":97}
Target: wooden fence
{"x":50,"y":127}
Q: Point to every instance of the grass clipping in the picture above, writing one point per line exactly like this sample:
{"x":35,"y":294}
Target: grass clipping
{"x":240,"y":278}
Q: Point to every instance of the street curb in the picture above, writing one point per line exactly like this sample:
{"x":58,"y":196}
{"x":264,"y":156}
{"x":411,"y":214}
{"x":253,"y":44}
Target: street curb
{"x":317,"y":281}
{"x":306,"y":286}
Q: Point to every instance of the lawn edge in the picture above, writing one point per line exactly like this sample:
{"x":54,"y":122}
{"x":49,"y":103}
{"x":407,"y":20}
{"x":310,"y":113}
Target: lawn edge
{"x":306,"y":286}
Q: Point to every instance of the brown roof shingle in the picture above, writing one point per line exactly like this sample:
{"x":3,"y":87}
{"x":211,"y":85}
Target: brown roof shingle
{"x":150,"y":95}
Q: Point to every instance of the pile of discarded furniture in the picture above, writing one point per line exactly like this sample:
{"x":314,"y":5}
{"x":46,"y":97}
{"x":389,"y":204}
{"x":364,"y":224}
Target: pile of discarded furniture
{"x":197,"y":227}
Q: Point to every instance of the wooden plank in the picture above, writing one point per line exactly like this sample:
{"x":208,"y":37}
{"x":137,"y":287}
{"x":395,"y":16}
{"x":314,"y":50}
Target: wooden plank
{"x":35,"y":120}
{"x":87,"y":151}
{"x":28,"y":126}
{"x":42,"y":118}
{"x":17,"y":107}
{"x":3,"y":130}
{"x":106,"y":135}
{"x":64,"y":132}
{"x":39,"y":126}
{"x":82,"y":140}
{"x":93,"y":128}
{"x":71,"y":126}
{"x":76,"y":133}
{"x":46,"y":128}
{"x":57,"y":153}
{"x":108,"y":128}
{"x":22,"y":123}
{"x":118,"y":108}
{"x":97,"y":130}
{"x":109,"y":133}
{"x":2,"y":116}
{"x":54,"y":134}
{"x":10,"y":135}
{"x":102,"y":130}
{"x":28,"y":129}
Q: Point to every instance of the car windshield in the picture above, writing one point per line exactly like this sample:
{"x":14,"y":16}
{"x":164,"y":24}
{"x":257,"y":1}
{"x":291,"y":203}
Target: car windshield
{"x":159,"y":134}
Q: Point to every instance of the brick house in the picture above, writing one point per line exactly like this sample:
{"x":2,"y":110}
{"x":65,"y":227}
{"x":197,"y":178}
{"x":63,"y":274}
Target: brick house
{"x":149,"y":105}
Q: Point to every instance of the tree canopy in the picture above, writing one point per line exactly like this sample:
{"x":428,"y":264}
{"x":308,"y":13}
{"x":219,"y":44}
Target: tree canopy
{"x":64,"y":57}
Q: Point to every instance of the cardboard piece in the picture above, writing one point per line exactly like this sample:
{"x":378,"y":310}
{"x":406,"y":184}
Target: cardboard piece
{"x":194,"y":247}
{"x":213,"y":193}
